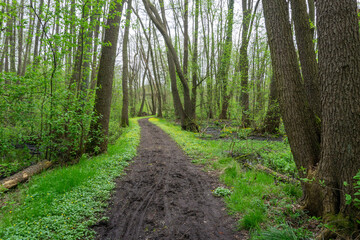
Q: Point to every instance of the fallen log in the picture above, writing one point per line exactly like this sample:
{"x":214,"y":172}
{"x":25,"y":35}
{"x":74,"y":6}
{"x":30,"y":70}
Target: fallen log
{"x":24,"y":175}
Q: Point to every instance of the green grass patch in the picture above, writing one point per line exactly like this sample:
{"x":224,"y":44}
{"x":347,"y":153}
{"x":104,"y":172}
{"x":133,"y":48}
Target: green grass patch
{"x":256,"y":197}
{"x":62,"y":203}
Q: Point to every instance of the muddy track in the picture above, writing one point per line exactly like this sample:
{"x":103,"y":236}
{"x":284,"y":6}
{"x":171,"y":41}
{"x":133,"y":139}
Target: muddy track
{"x":165,"y":196}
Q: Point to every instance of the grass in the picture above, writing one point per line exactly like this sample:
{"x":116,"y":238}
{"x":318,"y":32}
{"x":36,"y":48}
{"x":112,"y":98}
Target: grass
{"x":62,"y":203}
{"x":257,"y":199}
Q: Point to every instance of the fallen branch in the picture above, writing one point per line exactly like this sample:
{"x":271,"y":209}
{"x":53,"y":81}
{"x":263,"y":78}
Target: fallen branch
{"x":24,"y":175}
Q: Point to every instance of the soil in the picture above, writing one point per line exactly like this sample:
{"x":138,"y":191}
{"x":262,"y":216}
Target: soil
{"x":164,"y":196}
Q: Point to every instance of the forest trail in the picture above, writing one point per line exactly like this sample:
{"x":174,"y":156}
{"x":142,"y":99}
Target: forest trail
{"x":165,"y":196}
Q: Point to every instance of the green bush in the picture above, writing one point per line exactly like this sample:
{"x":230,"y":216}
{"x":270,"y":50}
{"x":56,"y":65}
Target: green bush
{"x":55,"y":122}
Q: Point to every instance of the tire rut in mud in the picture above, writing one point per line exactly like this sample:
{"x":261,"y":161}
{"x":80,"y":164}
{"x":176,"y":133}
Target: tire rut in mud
{"x":165,"y":196}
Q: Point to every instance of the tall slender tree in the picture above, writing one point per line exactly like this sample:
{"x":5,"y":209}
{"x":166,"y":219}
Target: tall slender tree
{"x":225,"y":62}
{"x":125,"y":72}
{"x":100,"y":125}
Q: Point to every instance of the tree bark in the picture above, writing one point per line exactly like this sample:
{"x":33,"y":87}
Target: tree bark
{"x":339,"y":71}
{"x":311,"y":4}
{"x":309,"y":66}
{"x":125,"y":76}
{"x":99,"y":127}
{"x":20,"y":38}
{"x":194,"y":63}
{"x":299,"y":122}
{"x":272,"y":119}
{"x":140,"y":113}
{"x":187,"y":123}
{"x":38,"y":33}
{"x":244,"y":65}
{"x":225,"y":62}
{"x":24,"y":175}
{"x":26,"y":60}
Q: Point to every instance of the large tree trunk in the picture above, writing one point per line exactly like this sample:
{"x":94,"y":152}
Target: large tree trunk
{"x":125,"y":76}
{"x":299,"y":122}
{"x":339,"y":71}
{"x":99,"y":127}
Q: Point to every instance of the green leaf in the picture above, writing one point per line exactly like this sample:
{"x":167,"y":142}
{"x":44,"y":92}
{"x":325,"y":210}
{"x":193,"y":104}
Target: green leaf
{"x":348,"y":199}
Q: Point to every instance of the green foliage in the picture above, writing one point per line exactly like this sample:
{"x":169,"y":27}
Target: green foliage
{"x":293,"y":190}
{"x":356,"y":199}
{"x":64,"y":202}
{"x":252,"y":219}
{"x":55,"y":122}
{"x":284,"y":232}
{"x":115,"y":131}
{"x":221,"y":192}
{"x":243,"y":133}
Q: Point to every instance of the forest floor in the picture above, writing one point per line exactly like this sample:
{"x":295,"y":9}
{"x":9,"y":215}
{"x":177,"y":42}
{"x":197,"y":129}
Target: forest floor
{"x":165,"y":196}
{"x":229,"y":130}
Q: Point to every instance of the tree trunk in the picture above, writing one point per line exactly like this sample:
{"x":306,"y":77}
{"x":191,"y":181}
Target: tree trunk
{"x":272,"y":119}
{"x":153,"y":102}
{"x":186,"y":38}
{"x":311,"y":4}
{"x":99,"y":127}
{"x":244,"y":65}
{"x":187,"y":123}
{"x":26,"y":60}
{"x":309,"y":66}
{"x":12,"y":36}
{"x":225,"y":62}
{"x":299,"y":122}
{"x":125,"y":76}
{"x":38,"y":33}
{"x":154,"y":64}
{"x":339,"y":71}
{"x":20,"y":38}
{"x":195,"y":67}
{"x":140,"y":113}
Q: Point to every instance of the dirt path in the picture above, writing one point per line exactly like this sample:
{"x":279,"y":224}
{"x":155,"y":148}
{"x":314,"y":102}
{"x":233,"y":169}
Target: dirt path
{"x":165,"y":196}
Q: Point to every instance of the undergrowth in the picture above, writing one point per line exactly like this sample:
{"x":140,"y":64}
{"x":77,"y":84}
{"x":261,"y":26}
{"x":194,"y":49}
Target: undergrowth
{"x":64,"y":202}
{"x":265,"y":207}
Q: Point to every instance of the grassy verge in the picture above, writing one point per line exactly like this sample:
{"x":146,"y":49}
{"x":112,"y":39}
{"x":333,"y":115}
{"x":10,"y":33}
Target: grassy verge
{"x":64,"y":202}
{"x":265,"y":207}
